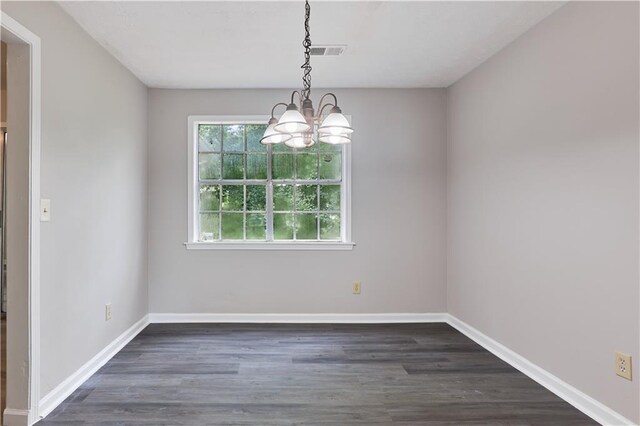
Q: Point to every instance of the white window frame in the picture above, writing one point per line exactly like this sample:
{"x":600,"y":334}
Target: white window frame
{"x":193,"y":190}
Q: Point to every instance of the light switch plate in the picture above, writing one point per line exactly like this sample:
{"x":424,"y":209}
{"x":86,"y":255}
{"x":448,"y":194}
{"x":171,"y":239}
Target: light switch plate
{"x":45,"y":210}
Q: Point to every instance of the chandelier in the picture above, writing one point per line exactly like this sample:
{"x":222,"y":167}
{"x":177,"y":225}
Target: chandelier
{"x":299,"y":126}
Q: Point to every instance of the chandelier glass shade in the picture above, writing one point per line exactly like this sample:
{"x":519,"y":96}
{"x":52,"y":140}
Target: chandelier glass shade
{"x":292,"y":122}
{"x":300,"y":140}
{"x":271,"y":136}
{"x":300,"y":126}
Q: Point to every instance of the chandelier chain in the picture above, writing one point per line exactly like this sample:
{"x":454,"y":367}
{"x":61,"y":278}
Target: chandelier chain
{"x":301,"y":126}
{"x":306,"y":78}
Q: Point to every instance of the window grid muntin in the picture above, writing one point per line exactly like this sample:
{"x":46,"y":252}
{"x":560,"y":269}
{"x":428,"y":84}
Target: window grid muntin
{"x":268,"y":183}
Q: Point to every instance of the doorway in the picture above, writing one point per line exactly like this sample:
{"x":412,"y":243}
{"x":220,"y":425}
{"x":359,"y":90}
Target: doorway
{"x":20,"y":225}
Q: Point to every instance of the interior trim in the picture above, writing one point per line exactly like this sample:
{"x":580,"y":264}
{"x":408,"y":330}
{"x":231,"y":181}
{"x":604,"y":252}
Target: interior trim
{"x":16,"y":417}
{"x":35,"y":72}
{"x":580,"y":400}
{"x":73,"y":382}
{"x":271,"y":245}
{"x":298,"y":318}
{"x":583,"y":402}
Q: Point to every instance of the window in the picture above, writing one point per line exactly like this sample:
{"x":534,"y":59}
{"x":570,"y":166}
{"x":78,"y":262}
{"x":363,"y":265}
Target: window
{"x":243,"y":194}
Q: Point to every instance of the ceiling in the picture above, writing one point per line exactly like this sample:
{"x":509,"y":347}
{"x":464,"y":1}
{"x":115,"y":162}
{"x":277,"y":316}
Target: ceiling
{"x":241,"y":44}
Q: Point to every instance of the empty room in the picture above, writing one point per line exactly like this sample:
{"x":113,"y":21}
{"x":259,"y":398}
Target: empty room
{"x":315,"y":212}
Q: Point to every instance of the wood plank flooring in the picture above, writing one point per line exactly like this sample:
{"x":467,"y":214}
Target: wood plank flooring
{"x":3,"y":363}
{"x":271,"y":374}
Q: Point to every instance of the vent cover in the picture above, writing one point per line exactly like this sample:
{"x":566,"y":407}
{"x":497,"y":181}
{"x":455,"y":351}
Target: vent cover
{"x":328,"y":50}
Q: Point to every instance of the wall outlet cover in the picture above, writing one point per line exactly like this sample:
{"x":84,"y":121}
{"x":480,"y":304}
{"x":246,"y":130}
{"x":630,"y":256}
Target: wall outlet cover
{"x":623,"y":365}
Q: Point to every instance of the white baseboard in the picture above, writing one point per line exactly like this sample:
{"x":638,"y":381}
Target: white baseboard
{"x":15,"y":417}
{"x":298,"y":318}
{"x":67,"y":387}
{"x":583,"y":402}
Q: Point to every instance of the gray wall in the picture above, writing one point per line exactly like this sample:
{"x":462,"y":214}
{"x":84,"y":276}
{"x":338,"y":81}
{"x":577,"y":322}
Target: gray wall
{"x":398,"y":181}
{"x":543,"y":198}
{"x":94,"y":170}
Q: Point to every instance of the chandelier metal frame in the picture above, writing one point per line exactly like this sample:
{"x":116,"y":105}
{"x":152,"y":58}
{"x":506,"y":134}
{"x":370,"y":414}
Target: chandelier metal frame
{"x":299,"y":126}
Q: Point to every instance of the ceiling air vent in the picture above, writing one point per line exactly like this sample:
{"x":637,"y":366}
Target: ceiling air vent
{"x":327,"y":50}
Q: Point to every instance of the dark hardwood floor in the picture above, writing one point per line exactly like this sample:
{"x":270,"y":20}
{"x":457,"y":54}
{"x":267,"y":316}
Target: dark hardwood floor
{"x":253,"y":374}
{"x":3,"y":363}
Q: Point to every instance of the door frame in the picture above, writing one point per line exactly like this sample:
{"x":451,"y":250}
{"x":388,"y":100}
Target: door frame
{"x":33,"y":369}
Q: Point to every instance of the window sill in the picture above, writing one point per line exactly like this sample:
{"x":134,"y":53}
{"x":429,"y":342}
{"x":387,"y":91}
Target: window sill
{"x":244,"y":245}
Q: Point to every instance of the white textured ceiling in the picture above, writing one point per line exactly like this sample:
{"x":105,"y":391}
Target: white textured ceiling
{"x":240,"y":44}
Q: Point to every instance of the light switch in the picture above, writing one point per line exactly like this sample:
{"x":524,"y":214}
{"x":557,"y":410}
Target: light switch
{"x":45,"y":210}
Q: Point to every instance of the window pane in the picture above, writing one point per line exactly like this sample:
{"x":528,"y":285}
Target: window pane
{"x":281,"y":147}
{"x":282,"y":167}
{"x":327,"y":147}
{"x":303,"y":211}
{"x":307,"y":166}
{"x":256,"y":166}
{"x":282,"y":226}
{"x":233,"y":197}
{"x":256,"y":198}
{"x":283,"y":197}
{"x":256,"y":226}
{"x":233,"y":166}
{"x":306,"y":197}
{"x":233,"y":137}
{"x":209,"y":137}
{"x":330,"y":197}
{"x":209,"y":226}
{"x":209,"y":166}
{"x":306,"y":226}
{"x":232,"y":224}
{"x":209,"y":197}
{"x":329,"y":227}
{"x":254,"y":134}
{"x":330,"y":166}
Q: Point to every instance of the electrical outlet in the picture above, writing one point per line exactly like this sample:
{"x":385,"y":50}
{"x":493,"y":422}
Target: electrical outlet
{"x":107,"y":312}
{"x":623,"y":365}
{"x":357,"y":286}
